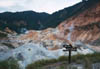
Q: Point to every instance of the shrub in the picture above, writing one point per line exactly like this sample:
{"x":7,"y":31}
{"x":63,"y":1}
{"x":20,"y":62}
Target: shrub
{"x":3,"y":35}
{"x":9,"y":64}
{"x":86,"y":60}
{"x":63,"y":58}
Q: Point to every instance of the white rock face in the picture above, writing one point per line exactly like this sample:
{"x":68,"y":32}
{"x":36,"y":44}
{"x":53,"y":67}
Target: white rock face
{"x":4,"y":48}
{"x":71,"y":28}
{"x":31,"y":52}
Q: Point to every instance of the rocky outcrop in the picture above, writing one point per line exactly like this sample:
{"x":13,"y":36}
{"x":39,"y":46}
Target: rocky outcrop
{"x":46,"y":37}
{"x":86,"y":25}
{"x":83,"y":27}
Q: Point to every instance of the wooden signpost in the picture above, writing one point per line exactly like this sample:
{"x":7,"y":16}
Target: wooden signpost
{"x":69,"y":48}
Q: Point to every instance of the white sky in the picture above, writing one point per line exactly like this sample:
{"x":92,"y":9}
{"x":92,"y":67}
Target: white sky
{"x":48,"y":6}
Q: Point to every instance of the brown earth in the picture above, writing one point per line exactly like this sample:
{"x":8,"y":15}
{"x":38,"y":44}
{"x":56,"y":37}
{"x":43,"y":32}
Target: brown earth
{"x":85,"y":27}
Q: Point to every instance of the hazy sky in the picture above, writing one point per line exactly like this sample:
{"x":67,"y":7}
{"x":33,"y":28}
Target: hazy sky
{"x":48,"y":6}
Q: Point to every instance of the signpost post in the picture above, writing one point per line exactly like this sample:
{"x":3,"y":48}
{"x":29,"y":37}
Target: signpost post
{"x":69,"y":48}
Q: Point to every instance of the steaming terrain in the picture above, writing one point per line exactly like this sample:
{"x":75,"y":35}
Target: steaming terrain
{"x":82,"y":30}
